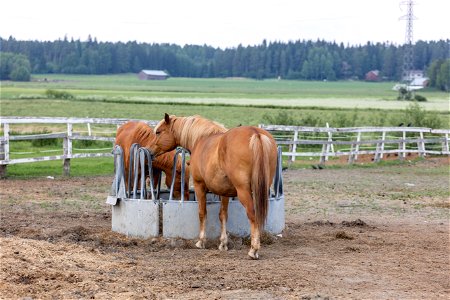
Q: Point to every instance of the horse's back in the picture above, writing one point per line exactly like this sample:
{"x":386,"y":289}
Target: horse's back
{"x":237,"y":142}
{"x":127,"y":134}
{"x":229,"y":157}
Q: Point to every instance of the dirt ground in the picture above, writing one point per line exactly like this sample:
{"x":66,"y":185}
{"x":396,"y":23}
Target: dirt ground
{"x":364,"y":233}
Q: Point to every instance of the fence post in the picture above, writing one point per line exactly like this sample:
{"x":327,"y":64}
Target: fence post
{"x":402,"y":147}
{"x":380,"y":148}
{"x":67,"y":150}
{"x":330,"y":139}
{"x":323,"y":157}
{"x":354,"y":149}
{"x":421,"y":145}
{"x":4,"y":150}
{"x":358,"y":139}
{"x":445,"y":149}
{"x":294,"y":145}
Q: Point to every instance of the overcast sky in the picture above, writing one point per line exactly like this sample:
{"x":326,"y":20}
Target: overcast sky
{"x":223,"y":23}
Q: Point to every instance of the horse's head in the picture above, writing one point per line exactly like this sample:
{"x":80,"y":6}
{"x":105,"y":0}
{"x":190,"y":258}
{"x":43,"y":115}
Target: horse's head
{"x":165,"y":139}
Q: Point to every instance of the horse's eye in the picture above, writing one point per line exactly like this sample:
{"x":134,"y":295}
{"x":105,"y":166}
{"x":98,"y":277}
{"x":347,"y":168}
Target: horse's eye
{"x":158,"y":132}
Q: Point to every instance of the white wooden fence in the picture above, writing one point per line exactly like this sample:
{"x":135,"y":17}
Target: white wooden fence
{"x":322,"y":142}
{"x":377,"y":141}
{"x":68,"y":136}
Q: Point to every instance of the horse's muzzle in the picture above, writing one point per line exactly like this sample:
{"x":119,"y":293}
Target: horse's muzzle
{"x":153,"y":155}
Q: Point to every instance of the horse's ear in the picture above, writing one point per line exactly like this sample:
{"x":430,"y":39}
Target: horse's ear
{"x":167,"y":118}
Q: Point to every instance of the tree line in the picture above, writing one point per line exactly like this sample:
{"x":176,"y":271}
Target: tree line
{"x":14,"y":67}
{"x":306,"y":60}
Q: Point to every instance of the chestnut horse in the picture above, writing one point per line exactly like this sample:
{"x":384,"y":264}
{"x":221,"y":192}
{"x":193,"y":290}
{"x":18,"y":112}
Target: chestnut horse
{"x":141,"y":133}
{"x":237,"y":162}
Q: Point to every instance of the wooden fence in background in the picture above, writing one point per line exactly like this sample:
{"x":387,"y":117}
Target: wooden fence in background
{"x":325,"y":142}
{"x":322,"y":142}
{"x":68,"y":136}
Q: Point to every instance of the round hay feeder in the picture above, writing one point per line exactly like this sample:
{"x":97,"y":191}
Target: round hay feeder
{"x":144,"y":212}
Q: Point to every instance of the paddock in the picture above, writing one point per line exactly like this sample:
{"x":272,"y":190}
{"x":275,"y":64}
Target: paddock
{"x":373,"y":232}
{"x":350,"y":232}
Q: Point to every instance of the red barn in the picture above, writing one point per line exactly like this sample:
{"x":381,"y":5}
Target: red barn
{"x":373,"y":75}
{"x":152,"y":75}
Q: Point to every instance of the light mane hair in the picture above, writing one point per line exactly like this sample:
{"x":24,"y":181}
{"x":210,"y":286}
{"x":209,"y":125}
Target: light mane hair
{"x":188,"y":130}
{"x":144,"y":134}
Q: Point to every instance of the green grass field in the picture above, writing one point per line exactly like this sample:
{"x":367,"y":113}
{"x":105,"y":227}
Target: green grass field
{"x":290,"y":93}
{"x":230,"y":101}
{"x":78,"y":167}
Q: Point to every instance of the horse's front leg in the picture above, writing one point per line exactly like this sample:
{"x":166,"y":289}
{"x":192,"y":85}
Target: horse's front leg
{"x":223,"y":216}
{"x":200,"y":191}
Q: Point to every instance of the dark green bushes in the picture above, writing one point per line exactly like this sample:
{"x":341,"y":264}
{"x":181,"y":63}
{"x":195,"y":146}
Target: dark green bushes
{"x":414,"y":114}
{"x":54,"y":94}
{"x":405,"y":94}
{"x":420,"y":98}
{"x":14,"y":67}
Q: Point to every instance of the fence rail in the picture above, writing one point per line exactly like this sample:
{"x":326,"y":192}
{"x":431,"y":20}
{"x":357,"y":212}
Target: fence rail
{"x":322,"y":142}
{"x":393,"y":140}
{"x":68,"y":137}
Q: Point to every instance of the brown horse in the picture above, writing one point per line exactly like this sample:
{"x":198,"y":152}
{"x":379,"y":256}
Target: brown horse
{"x":141,"y":133}
{"x":237,"y":162}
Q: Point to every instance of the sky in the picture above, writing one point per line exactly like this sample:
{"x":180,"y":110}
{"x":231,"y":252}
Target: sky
{"x":223,"y":23}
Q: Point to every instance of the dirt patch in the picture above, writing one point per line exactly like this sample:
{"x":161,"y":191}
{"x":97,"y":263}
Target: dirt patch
{"x":343,"y":235}
{"x":351,"y":233}
{"x":355,"y":223}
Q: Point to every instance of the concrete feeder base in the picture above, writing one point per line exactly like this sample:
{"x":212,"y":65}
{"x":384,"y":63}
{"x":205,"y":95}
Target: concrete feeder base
{"x":140,"y":218}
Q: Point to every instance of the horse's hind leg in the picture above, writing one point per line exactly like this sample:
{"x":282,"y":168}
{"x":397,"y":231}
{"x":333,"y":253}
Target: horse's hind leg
{"x":223,"y":216}
{"x":247,"y":201}
{"x":200,"y":191}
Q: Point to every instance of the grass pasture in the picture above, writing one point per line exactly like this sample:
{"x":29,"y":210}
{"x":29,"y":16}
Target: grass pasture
{"x":230,"y":101}
{"x":233,"y":91}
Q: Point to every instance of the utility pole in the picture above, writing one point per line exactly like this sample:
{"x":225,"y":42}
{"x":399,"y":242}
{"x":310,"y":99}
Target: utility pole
{"x":408,"y":46}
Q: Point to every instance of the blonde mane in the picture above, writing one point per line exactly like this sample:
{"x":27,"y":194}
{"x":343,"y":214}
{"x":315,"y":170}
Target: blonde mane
{"x":188,"y":130}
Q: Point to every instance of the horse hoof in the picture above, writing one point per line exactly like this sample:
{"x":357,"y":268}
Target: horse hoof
{"x":253,"y":254}
{"x":223,"y":247}
{"x":200,"y":244}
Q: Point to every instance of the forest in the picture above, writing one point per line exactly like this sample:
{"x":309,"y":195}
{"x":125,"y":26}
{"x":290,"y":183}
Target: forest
{"x":305,"y":60}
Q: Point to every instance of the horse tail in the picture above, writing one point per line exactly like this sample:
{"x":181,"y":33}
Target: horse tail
{"x":260,"y":145}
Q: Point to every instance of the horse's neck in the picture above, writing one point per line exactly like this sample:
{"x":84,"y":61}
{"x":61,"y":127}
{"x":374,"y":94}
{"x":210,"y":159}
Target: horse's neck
{"x":187,"y":135}
{"x":165,"y":162}
{"x":144,"y":137}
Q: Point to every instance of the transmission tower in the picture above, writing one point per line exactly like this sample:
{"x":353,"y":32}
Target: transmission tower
{"x":408,"y":47}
